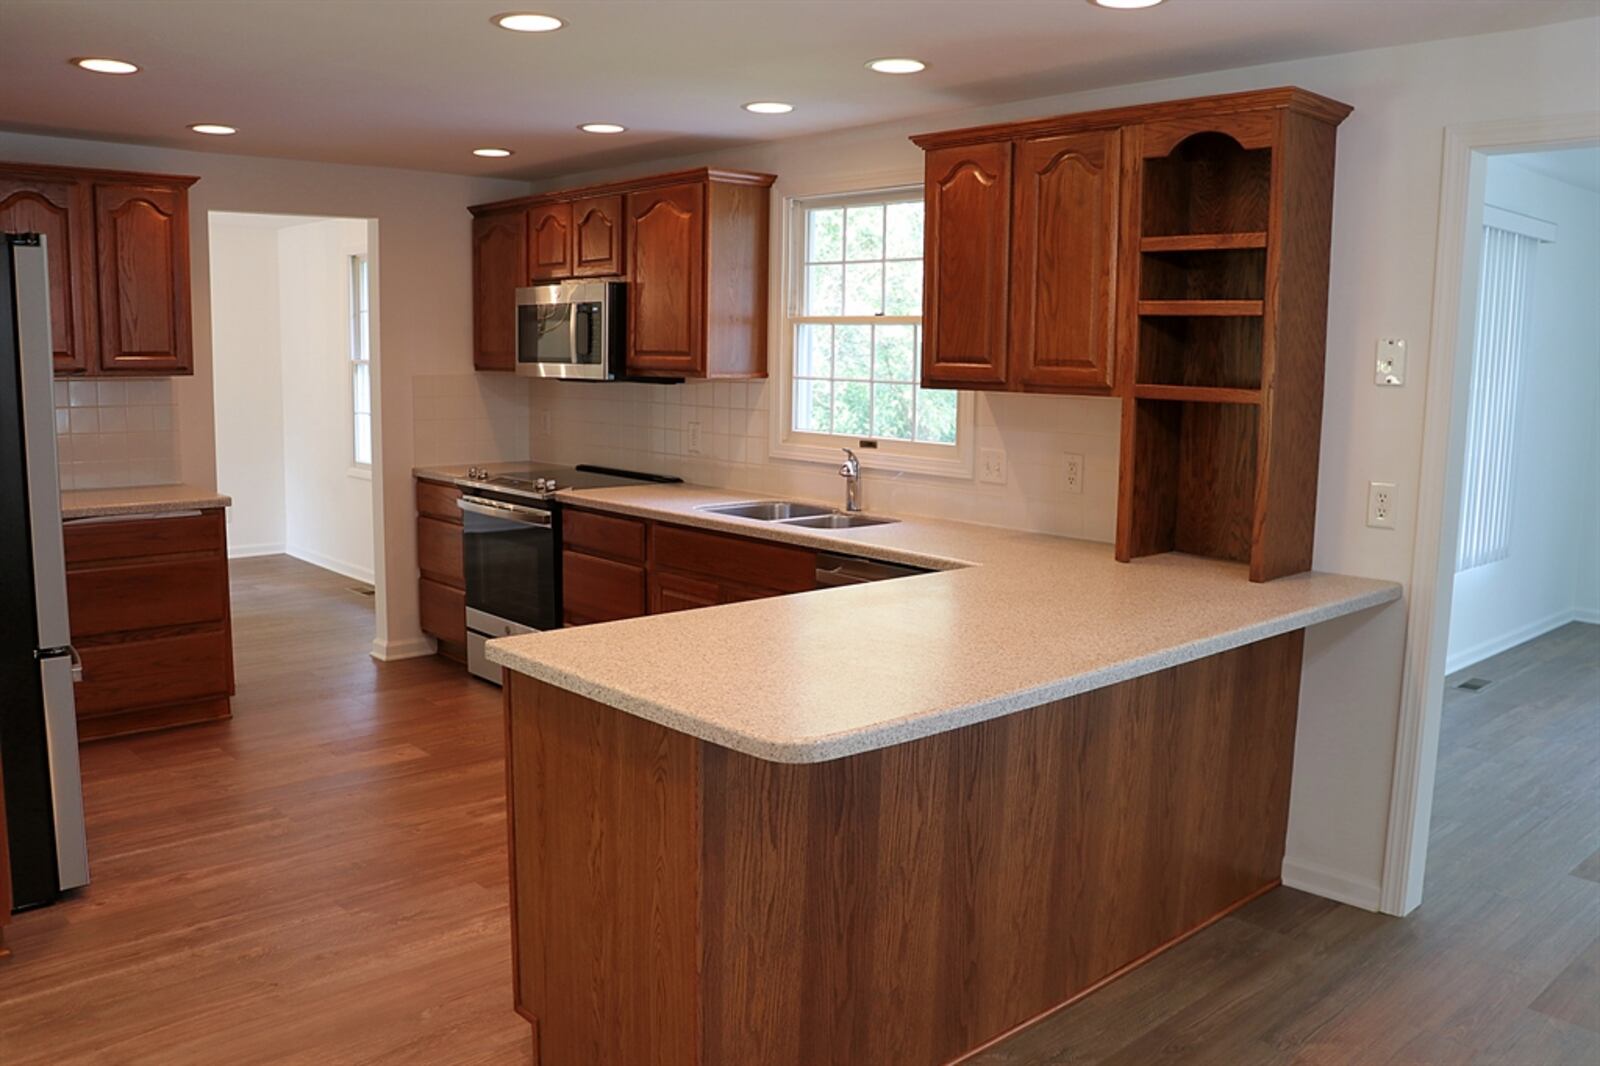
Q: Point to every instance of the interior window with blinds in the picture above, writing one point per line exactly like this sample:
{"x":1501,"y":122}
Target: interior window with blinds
{"x":1488,"y":472}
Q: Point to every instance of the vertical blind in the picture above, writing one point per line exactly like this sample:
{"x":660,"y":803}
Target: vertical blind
{"x":1488,"y":474}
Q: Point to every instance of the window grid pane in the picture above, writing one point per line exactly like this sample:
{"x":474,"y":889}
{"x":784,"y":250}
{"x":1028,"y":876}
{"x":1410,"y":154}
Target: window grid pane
{"x":864,"y":260}
{"x":360,"y":363}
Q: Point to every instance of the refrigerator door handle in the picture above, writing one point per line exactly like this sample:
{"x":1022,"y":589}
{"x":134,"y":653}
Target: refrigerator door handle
{"x":77,"y":664}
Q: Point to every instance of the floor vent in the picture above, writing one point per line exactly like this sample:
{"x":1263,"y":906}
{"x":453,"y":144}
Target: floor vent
{"x":1473,"y":684}
{"x":367,"y":590}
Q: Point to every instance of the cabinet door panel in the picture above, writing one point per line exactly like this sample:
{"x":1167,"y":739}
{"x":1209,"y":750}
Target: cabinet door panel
{"x":597,"y":237}
{"x":678,"y":592}
{"x":599,"y":590}
{"x":442,"y":611}
{"x":142,"y":239}
{"x":147,"y":595}
{"x":60,"y":211}
{"x":550,"y":242}
{"x":499,"y":268}
{"x":439,"y":551}
{"x":967,"y":257}
{"x":666,"y":272}
{"x":1063,"y":279}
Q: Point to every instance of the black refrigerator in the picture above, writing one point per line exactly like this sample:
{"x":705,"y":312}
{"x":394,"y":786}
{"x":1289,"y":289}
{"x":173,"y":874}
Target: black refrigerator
{"x":38,"y":724}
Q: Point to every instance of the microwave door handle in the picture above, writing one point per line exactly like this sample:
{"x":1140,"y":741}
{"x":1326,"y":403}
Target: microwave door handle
{"x":572,"y":332}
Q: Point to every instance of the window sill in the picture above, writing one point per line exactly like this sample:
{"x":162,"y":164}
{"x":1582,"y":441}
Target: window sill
{"x":958,"y":465}
{"x":364,"y":473}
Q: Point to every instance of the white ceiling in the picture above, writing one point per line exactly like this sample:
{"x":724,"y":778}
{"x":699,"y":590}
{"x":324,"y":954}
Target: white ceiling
{"x":419,"y":83}
{"x":1575,"y":166}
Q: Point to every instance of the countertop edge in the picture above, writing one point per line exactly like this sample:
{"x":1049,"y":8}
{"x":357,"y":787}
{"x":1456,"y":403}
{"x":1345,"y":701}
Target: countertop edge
{"x":899,"y":731}
{"x":138,"y":500}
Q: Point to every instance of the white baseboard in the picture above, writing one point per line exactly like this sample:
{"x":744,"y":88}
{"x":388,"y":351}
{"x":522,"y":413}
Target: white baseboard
{"x":1591,"y":615}
{"x":1331,"y":884}
{"x":338,"y":566}
{"x":250,"y":551}
{"x":388,"y":651}
{"x":1460,"y":660}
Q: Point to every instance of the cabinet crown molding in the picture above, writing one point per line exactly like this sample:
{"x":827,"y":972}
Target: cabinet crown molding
{"x":627,"y":185}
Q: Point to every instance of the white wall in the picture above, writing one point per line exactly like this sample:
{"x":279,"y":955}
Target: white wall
{"x":423,"y":306}
{"x":248,"y":370}
{"x":327,"y":501}
{"x":1553,"y":572}
{"x":1385,"y":233}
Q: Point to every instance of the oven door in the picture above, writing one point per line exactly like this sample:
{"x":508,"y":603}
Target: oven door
{"x":510,"y":554}
{"x":565,"y":331}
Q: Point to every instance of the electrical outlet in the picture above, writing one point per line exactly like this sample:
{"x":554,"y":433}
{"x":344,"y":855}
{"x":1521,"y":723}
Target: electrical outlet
{"x":694,"y":442}
{"x":1390,"y":368}
{"x":1380,"y":504}
{"x":992,"y":466}
{"x":1074,"y":473}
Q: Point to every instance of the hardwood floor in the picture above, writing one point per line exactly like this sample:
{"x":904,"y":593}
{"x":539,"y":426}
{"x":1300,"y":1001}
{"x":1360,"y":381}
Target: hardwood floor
{"x":323,"y":880}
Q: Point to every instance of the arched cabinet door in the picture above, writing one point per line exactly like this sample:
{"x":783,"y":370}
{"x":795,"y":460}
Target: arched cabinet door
{"x":666,"y":275}
{"x":1063,"y":280}
{"x":966,"y":261}
{"x":597,"y":237}
{"x":59,"y":210}
{"x":142,"y":245}
{"x":550,"y":242}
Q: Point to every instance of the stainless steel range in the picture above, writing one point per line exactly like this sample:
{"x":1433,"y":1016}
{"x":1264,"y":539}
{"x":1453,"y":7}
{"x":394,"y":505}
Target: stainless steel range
{"x":511,"y":527}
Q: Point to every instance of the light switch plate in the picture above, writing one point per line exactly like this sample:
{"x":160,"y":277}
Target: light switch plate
{"x":992,"y":466}
{"x":1390,"y":368}
{"x":693,"y":445}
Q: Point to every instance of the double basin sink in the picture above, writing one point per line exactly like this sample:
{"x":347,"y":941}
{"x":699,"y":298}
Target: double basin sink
{"x":792,"y":513}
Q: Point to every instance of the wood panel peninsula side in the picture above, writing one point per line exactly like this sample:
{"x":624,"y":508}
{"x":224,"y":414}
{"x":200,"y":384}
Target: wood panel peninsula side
{"x":890,"y":823}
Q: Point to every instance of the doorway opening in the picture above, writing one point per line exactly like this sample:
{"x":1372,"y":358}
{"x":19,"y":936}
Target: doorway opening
{"x":1502,"y":693}
{"x":295,"y":359}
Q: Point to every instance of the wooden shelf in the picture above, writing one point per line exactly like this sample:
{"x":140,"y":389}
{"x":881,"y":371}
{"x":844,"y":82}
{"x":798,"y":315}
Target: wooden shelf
{"x":1196,"y":394}
{"x":1204,"y":242}
{"x":1200,"y":308}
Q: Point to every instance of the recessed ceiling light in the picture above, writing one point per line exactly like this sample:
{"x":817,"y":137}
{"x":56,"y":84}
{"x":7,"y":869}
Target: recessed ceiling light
{"x":1125,"y":5}
{"x":526,"y":22}
{"x":769,"y":107}
{"x":215,"y":129}
{"x":491,"y":153}
{"x":602,"y":127}
{"x":897,"y":65}
{"x":101,"y":65}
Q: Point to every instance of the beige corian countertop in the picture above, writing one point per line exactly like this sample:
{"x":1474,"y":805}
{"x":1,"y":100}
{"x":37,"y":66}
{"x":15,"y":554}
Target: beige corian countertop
{"x":138,"y":499}
{"x":1010,"y":621}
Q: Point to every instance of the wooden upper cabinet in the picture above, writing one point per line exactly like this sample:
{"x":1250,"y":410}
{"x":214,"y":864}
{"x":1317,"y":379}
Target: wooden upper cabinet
{"x":499,"y":268}
{"x":966,"y":260}
{"x":142,"y":241}
{"x":550,"y":242}
{"x":60,"y":211}
{"x":1064,"y":256}
{"x":597,"y":237}
{"x":666,"y":273}
{"x":118,"y":248}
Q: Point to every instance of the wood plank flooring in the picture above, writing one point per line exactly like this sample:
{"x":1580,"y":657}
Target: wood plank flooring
{"x":323,"y":880}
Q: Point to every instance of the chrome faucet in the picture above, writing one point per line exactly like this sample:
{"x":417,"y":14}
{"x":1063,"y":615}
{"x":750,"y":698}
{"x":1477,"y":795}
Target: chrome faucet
{"x":851,"y":472}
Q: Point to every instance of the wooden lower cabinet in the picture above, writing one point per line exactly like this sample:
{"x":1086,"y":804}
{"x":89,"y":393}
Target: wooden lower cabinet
{"x":679,"y":903}
{"x":614,"y":567}
{"x":442,"y":580}
{"x":148,"y":599}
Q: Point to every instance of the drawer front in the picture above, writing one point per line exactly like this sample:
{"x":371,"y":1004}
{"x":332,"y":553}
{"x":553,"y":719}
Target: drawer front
{"x":439,"y":550}
{"x":443,"y":611}
{"x":600,"y":590}
{"x":139,"y":537}
{"x":438,"y":501}
{"x":150,"y":673}
{"x":737,"y":559}
{"x":602,"y":534}
{"x":152,"y":595}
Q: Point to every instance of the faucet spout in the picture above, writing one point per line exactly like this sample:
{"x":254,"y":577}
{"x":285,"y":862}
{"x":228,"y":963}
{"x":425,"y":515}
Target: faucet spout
{"x":851,"y":472}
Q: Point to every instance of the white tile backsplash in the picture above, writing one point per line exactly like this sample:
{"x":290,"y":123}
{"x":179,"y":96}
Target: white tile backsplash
{"x":111,"y":434}
{"x":646,"y":427}
{"x":469,"y":418}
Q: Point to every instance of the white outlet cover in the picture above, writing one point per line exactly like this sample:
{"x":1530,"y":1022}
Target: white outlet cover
{"x":1390,"y":368}
{"x":1381,"y":501}
{"x":693,"y":438}
{"x":992,"y":466}
{"x":1073,"y":476}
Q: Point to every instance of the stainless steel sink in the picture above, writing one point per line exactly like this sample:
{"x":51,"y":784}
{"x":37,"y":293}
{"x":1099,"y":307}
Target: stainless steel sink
{"x":841,"y":521}
{"x":768,"y":510}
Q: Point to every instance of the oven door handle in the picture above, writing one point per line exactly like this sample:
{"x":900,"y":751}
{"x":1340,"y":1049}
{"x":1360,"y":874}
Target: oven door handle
{"x":527,"y":516}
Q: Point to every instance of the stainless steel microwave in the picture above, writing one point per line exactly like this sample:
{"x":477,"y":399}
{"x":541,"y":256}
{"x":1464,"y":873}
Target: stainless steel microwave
{"x":573,"y":329}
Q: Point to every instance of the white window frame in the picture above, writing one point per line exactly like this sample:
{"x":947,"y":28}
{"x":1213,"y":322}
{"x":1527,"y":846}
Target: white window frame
{"x":939,"y":460}
{"x":352,"y":275}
